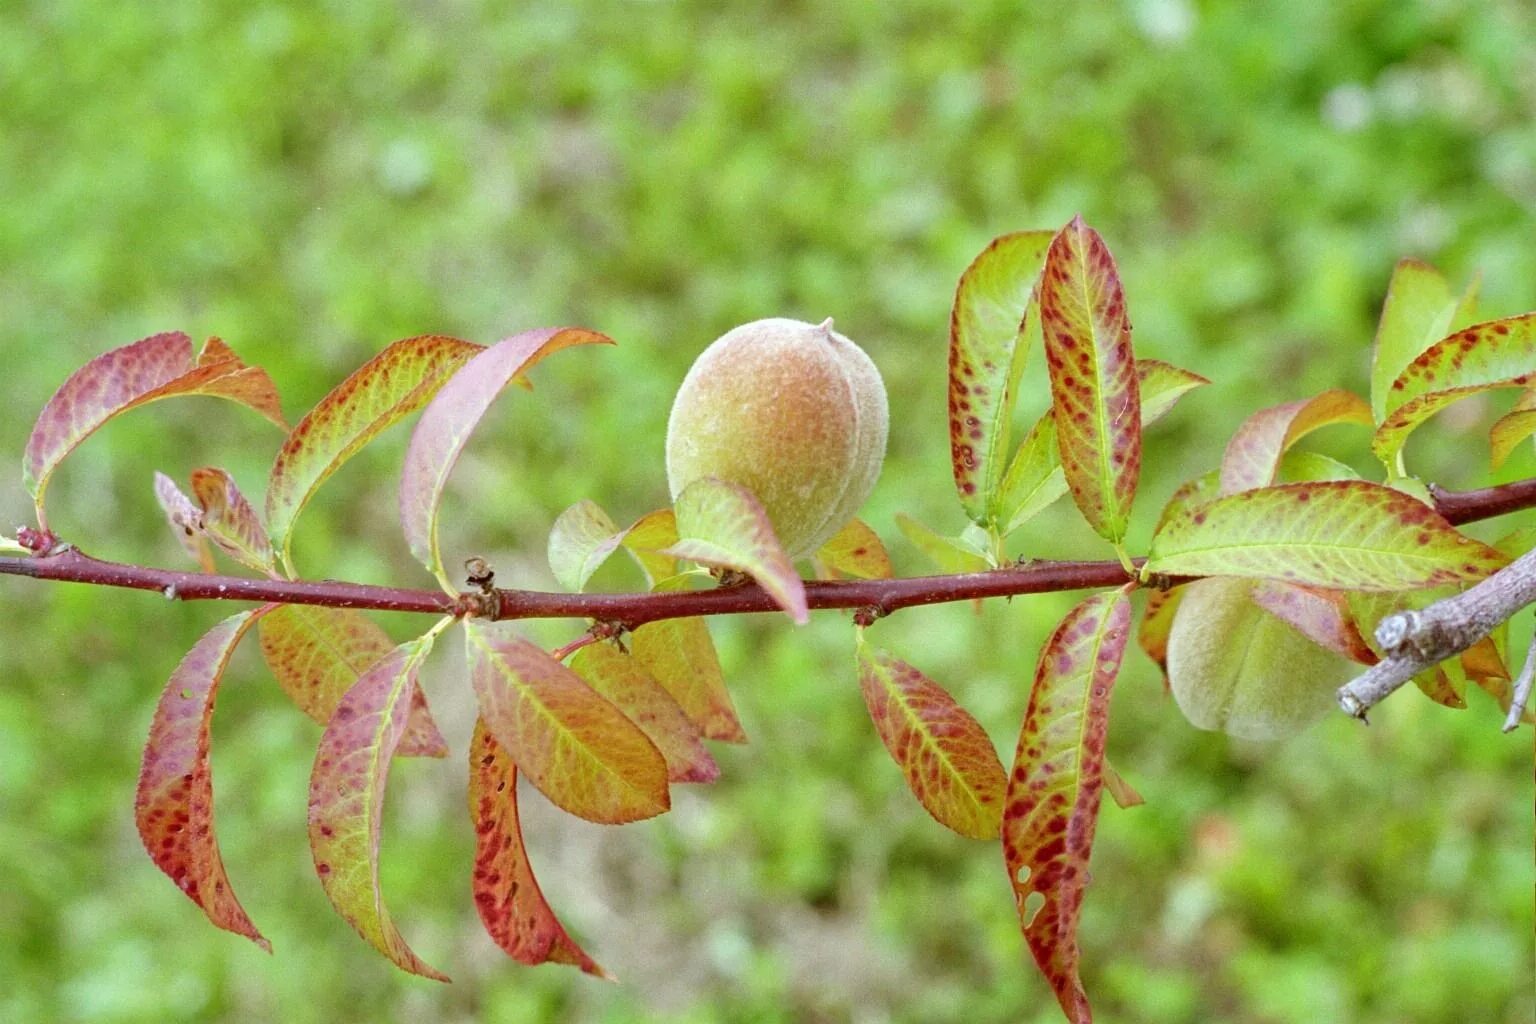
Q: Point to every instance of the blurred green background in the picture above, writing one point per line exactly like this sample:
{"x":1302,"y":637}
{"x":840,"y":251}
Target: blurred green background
{"x":312,"y":181}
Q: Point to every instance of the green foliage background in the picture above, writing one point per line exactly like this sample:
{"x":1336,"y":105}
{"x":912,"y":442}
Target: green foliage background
{"x":311,"y":181}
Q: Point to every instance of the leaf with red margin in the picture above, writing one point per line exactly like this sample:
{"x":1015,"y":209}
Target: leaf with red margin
{"x":507,"y":895}
{"x":856,"y":552}
{"x":1157,"y":624}
{"x":231,"y":521}
{"x":174,"y":803}
{"x":161,"y":366}
{"x":1341,"y":534}
{"x":987,"y":351}
{"x":574,"y":745}
{"x":1512,"y":428}
{"x":624,"y":682}
{"x":1253,"y":455}
{"x":1053,"y":792}
{"x":384,"y":390}
{"x":346,"y":798}
{"x":949,"y":763}
{"x":1496,"y":354}
{"x":723,"y":525}
{"x":651,"y":534}
{"x":1322,"y":616}
{"x":1419,"y":310}
{"x":452,"y":415}
{"x":581,"y":539}
{"x":679,"y":654}
{"x":185,"y":519}
{"x":317,"y":654}
{"x":1095,"y":393}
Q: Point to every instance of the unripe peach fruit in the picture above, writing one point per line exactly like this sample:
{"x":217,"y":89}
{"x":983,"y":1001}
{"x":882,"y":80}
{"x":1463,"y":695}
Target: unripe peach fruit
{"x":794,"y":412}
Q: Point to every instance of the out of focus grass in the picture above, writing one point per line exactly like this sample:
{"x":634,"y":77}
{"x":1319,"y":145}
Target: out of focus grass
{"x":311,"y":181}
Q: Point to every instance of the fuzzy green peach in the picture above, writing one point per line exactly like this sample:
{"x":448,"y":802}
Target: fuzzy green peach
{"x":794,"y":412}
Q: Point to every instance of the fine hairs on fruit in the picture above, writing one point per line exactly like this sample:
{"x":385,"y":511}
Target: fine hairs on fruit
{"x":794,"y":412}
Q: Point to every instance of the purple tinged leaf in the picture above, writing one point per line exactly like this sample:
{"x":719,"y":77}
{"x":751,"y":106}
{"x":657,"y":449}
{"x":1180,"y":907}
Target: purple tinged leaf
{"x":1322,"y":616}
{"x":723,"y":525}
{"x":230,"y":520}
{"x":185,"y":519}
{"x":580,"y":541}
{"x":1253,"y":455}
{"x":624,"y":682}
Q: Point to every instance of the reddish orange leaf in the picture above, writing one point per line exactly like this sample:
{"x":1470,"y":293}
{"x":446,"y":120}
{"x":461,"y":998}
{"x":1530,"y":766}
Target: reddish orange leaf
{"x":230,"y":521}
{"x":679,"y":654}
{"x":651,"y":534}
{"x":507,"y":895}
{"x":1053,"y":792}
{"x":346,"y":798}
{"x":185,"y":519}
{"x":950,"y":764}
{"x":1322,"y":616}
{"x":621,"y":679}
{"x":317,"y":654}
{"x":1095,"y":394}
{"x":1253,"y":455}
{"x":724,"y":526}
{"x":161,"y":366}
{"x":575,"y":746}
{"x":174,"y":803}
{"x":1156,"y":624}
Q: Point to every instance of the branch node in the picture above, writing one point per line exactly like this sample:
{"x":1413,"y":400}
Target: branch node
{"x":479,"y":574}
{"x":485,"y":604}
{"x":869,"y":614}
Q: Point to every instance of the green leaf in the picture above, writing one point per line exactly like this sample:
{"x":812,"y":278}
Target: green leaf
{"x":1052,"y":801}
{"x":1419,"y":311}
{"x":230,"y":520}
{"x":856,"y":551}
{"x":157,"y":367}
{"x":1034,"y":479}
{"x":1309,"y":467}
{"x":623,"y":680}
{"x":949,"y":763}
{"x":1095,"y":396}
{"x":679,"y":654}
{"x":507,"y":895}
{"x":1162,"y":385}
{"x":575,"y":746}
{"x":1190,"y":494}
{"x":449,"y":420}
{"x":346,"y":798}
{"x":949,"y":554}
{"x":1253,"y":455}
{"x":722,"y":525}
{"x":580,"y":541}
{"x":986,"y":328}
{"x":10,"y":546}
{"x":384,"y":390}
{"x":1497,"y":354}
{"x":173,"y":807}
{"x":650,"y":535}
{"x":1345,"y":534}
{"x":1517,"y":425}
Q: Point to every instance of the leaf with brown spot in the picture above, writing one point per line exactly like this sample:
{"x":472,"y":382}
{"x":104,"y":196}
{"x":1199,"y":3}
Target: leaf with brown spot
{"x":949,"y":763}
{"x":1322,"y":616}
{"x":1052,"y":802}
{"x":650,"y":535}
{"x":994,"y":305}
{"x":581,"y":539}
{"x":574,"y":745}
{"x":1095,"y":390}
{"x":679,"y":654}
{"x":381,"y":392}
{"x":317,"y":654}
{"x":173,"y":807}
{"x":346,"y":798}
{"x":1342,"y":534}
{"x":1419,"y":310}
{"x":1253,"y":455}
{"x":1157,"y":624}
{"x":507,"y":894}
{"x":1191,"y":494}
{"x":623,"y":680}
{"x":722,"y":525}
{"x":185,"y":519}
{"x":161,"y":366}
{"x":230,"y":520}
{"x":856,"y":552}
{"x":1510,"y":429}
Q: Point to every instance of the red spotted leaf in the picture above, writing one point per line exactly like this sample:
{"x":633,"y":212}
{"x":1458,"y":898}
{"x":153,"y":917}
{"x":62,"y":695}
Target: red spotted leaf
{"x":230,"y":521}
{"x":317,"y":654}
{"x":574,"y":745}
{"x":1341,"y":534}
{"x":449,"y":420}
{"x":387,"y":388}
{"x":1517,"y":425}
{"x":582,"y":538}
{"x":1052,"y":802}
{"x":507,"y":895}
{"x":174,"y":804}
{"x":987,"y":350}
{"x":1322,"y":616}
{"x":186,"y":521}
{"x":1419,"y":311}
{"x":650,"y":535}
{"x":950,"y":764}
{"x":679,"y":654}
{"x":722,"y":525}
{"x":855,"y":552}
{"x":161,"y":366}
{"x":346,"y":798}
{"x":623,"y":680}
{"x":1095,"y":393}
{"x":1253,"y":455}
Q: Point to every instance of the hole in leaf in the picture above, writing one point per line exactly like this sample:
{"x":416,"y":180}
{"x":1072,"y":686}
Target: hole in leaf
{"x":1033,"y":904}
{"x":1023,"y":874}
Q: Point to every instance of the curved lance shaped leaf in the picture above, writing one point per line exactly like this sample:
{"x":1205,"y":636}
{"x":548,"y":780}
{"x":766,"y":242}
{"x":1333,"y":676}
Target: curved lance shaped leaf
{"x":1095,"y":393}
{"x":856,"y":552}
{"x":624,"y":682}
{"x":160,"y":366}
{"x":316,"y":654}
{"x":185,"y":520}
{"x":1322,"y":616}
{"x":679,"y":654}
{"x":650,"y":535}
{"x":1253,"y":455}
{"x":1419,"y":310}
{"x":950,"y":764}
{"x":987,"y":351}
{"x":1496,"y":354}
{"x":580,"y":541}
{"x":1162,"y":385}
{"x":174,"y":803}
{"x":1509,"y":430}
{"x":1157,"y":624}
{"x":230,"y":520}
{"x":575,"y":746}
{"x":1310,"y":467}
{"x":950,"y":554}
{"x":384,"y":390}
{"x":723,"y":525}
{"x":1342,"y":534}
{"x":346,"y":798}
{"x":507,"y":894}
{"x":450,"y":418}
{"x":1053,"y":792}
